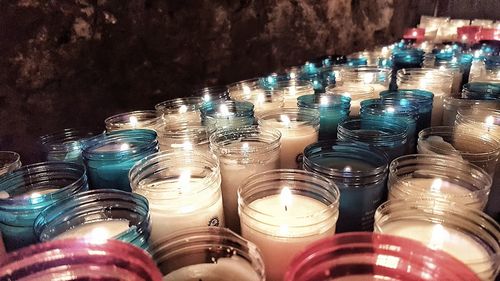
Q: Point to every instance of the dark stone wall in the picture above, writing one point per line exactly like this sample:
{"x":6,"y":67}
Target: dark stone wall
{"x":67,"y":63}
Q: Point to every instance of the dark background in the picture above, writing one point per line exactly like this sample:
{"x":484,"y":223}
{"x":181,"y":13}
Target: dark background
{"x":67,"y":63}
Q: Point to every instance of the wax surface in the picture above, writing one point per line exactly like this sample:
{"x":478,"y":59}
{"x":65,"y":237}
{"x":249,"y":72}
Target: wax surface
{"x":226,"y":269}
{"x":105,"y":229}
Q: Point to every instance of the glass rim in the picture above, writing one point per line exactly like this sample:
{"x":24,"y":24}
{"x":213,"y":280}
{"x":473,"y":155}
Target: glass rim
{"x":115,"y":121}
{"x":333,"y":101}
{"x":472,"y":115}
{"x":378,"y":106}
{"x":11,"y":158}
{"x":312,"y":116}
{"x":220,"y":137}
{"x":66,"y":137}
{"x":400,"y":134}
{"x":172,"y":105}
{"x":241,"y":108}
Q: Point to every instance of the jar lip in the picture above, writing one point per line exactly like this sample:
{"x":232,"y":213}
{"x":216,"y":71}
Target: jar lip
{"x":258,"y":94}
{"x":208,"y":160}
{"x":8,"y":158}
{"x":270,"y":136}
{"x":172,"y":106}
{"x":423,"y":71}
{"x":66,"y":137}
{"x":285,"y":175}
{"x":45,"y":254}
{"x":308,"y":116}
{"x":378,"y":106}
{"x":143,"y":117}
{"x":451,"y":130}
{"x":358,"y":90}
{"x":212,"y":93}
{"x":143,"y":140}
{"x":252,"y":83}
{"x":238,"y":108}
{"x":380,"y":168}
{"x":396,"y":129}
{"x":375,"y":244}
{"x":324,"y":101}
{"x":44,"y":168}
{"x":472,"y":115}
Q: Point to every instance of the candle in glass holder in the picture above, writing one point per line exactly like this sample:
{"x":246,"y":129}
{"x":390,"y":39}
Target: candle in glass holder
{"x":9,"y":161}
{"x":356,"y":92}
{"x":65,"y":145}
{"x":282,"y":211}
{"x":226,"y":114}
{"x":264,"y":100}
{"x":141,"y":119}
{"x":183,"y":189}
{"x":298,"y":127}
{"x":183,"y":136}
{"x":183,"y":110}
{"x":292,"y":89}
{"x":375,"y":77}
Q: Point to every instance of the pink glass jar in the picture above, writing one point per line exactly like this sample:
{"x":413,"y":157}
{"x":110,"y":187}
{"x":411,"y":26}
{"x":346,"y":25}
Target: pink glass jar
{"x":65,"y":260}
{"x":365,"y":256}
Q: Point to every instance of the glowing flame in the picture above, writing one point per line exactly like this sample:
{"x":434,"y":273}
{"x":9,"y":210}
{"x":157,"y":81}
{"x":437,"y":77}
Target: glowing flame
{"x":285,"y":120}
{"x":286,"y":197}
{"x":245,"y":147}
{"x":246,"y":90}
{"x":391,"y":109}
{"x":293,"y":75}
{"x":133,"y":121}
{"x":124,"y":146}
{"x":347,"y":168}
{"x":368,"y":78}
{"x":490,"y":121}
{"x":183,"y":109}
{"x":261,"y":99}
{"x":436,"y":185}
{"x":323,"y":100}
{"x":439,"y":236}
{"x":224,"y":110}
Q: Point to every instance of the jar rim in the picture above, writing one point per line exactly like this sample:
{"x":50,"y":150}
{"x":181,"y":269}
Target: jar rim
{"x":220,"y":138}
{"x":324,"y":101}
{"x":7,"y":159}
{"x":397,"y":130}
{"x":238,"y":108}
{"x":173,"y":105}
{"x":143,"y":118}
{"x":308,"y":116}
{"x":66,"y":138}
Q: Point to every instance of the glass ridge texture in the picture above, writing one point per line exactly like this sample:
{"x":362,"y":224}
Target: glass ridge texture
{"x":65,"y":145}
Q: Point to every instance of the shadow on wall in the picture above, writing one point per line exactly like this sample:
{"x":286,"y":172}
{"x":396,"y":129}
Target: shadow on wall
{"x":68,"y":63}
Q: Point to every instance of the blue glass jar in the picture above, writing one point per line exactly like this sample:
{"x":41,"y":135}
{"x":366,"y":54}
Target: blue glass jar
{"x":360,"y":172}
{"x":97,"y":215}
{"x":109,"y":157}
{"x":333,"y":109}
{"x":420,"y":99}
{"x":388,"y":110}
{"x":226,"y":114}
{"x":390,"y":136}
{"x":357,"y":59}
{"x":30,"y":189}
{"x":405,"y":58}
{"x":65,"y":145}
{"x":481,"y":91}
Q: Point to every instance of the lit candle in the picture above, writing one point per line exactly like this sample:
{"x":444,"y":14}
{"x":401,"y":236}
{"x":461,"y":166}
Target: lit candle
{"x":183,"y":110}
{"x":183,"y":189}
{"x":279,"y":217}
{"x":298,"y":127}
{"x":141,"y":119}
{"x":357,"y":93}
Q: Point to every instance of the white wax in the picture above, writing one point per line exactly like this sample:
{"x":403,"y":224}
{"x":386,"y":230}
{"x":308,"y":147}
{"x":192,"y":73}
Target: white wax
{"x":226,"y":269}
{"x":437,"y":236}
{"x":193,"y":209}
{"x":233,"y":175}
{"x":33,"y":193}
{"x":437,"y":107}
{"x":437,"y":145}
{"x":276,"y":234}
{"x":99,"y":230}
{"x":294,"y":138}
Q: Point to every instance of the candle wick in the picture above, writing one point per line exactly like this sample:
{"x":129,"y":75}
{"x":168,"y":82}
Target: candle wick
{"x":286,"y":208}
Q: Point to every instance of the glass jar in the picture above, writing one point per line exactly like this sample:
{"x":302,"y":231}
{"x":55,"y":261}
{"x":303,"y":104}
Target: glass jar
{"x":79,"y":259}
{"x":183,"y":189}
{"x":357,"y":59}
{"x":97,"y":215}
{"x":357,"y":93}
{"x":141,"y":119}
{"x":420,"y":99}
{"x":184,"y":110}
{"x":109,"y":157}
{"x":490,"y":72}
{"x":208,"y":253}
{"x":480,"y":150}
{"x":183,"y":136}
{"x":438,"y":176}
{"x":212,"y":93}
{"x":30,"y":189}
{"x":292,"y":89}
{"x":263,"y":100}
{"x":333,"y":109}
{"x":467,"y":234}
{"x":405,"y":58}
{"x":375,"y":77}
{"x":387,"y":110}
{"x":243,"y":152}
{"x":390,"y":136}
{"x":360,"y":172}
{"x":481,"y":91}
{"x":452,"y":104}
{"x":373,"y":256}
{"x":282,"y":211}
{"x":226,"y":114}
{"x":9,"y":161}
{"x":65,"y":145}
{"x":298,"y":126}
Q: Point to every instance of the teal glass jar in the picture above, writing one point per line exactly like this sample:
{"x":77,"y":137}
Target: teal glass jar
{"x":390,"y":136}
{"x":333,"y":109}
{"x":65,"y":145}
{"x":30,"y":189}
{"x":226,"y":114}
{"x":97,"y":215}
{"x":360,"y":172}
{"x":109,"y":157}
{"x":481,"y":91}
{"x":420,"y":99}
{"x":405,"y":58}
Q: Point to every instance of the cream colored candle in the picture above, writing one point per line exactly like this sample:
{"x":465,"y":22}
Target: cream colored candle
{"x":96,"y":230}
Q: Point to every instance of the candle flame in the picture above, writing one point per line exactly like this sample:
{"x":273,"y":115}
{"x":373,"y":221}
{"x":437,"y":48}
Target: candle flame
{"x":286,"y":197}
{"x":98,"y":235}
{"x":245,"y":147}
{"x":293,"y":75}
{"x":436,"y":185}
{"x":133,"y":121}
{"x":285,"y":120}
{"x":246,"y":90}
{"x":224,"y":110}
{"x":438,"y":238}
{"x":347,"y":168}
{"x":183,"y":109}
{"x":368,"y":78}
{"x":187,"y":146}
{"x":261,"y":99}
{"x":206,"y":97}
{"x":490,"y":121}
{"x":323,"y":100}
{"x":390,"y":109}
{"x":124,"y":146}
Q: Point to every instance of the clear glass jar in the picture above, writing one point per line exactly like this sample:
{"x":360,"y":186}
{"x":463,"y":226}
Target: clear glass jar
{"x":390,"y":136}
{"x":362,"y":256}
{"x":9,"y":161}
{"x":183,"y":189}
{"x":480,"y":150}
{"x":360,"y":172}
{"x":208,"y":253}
{"x":452,"y":104}
{"x":375,"y":77}
{"x":183,"y":136}
{"x":403,"y":59}
{"x":465,"y":233}
{"x":438,"y":176}
{"x":292,"y":89}
{"x":333,"y":109}
{"x":243,"y":152}
{"x":109,"y":157}
{"x":490,"y":72}
{"x":141,"y":119}
{"x":212,"y":93}
{"x":184,"y":110}
{"x":387,"y":110}
{"x":79,"y":260}
{"x":226,"y":114}
{"x":283,"y":211}
{"x":263,"y":100}
{"x":357,"y":93}
{"x":97,"y":215}
{"x":30,"y":189}
{"x":65,"y":145}
{"x":481,"y":91}
{"x":420,"y":99}
{"x":298,"y":126}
